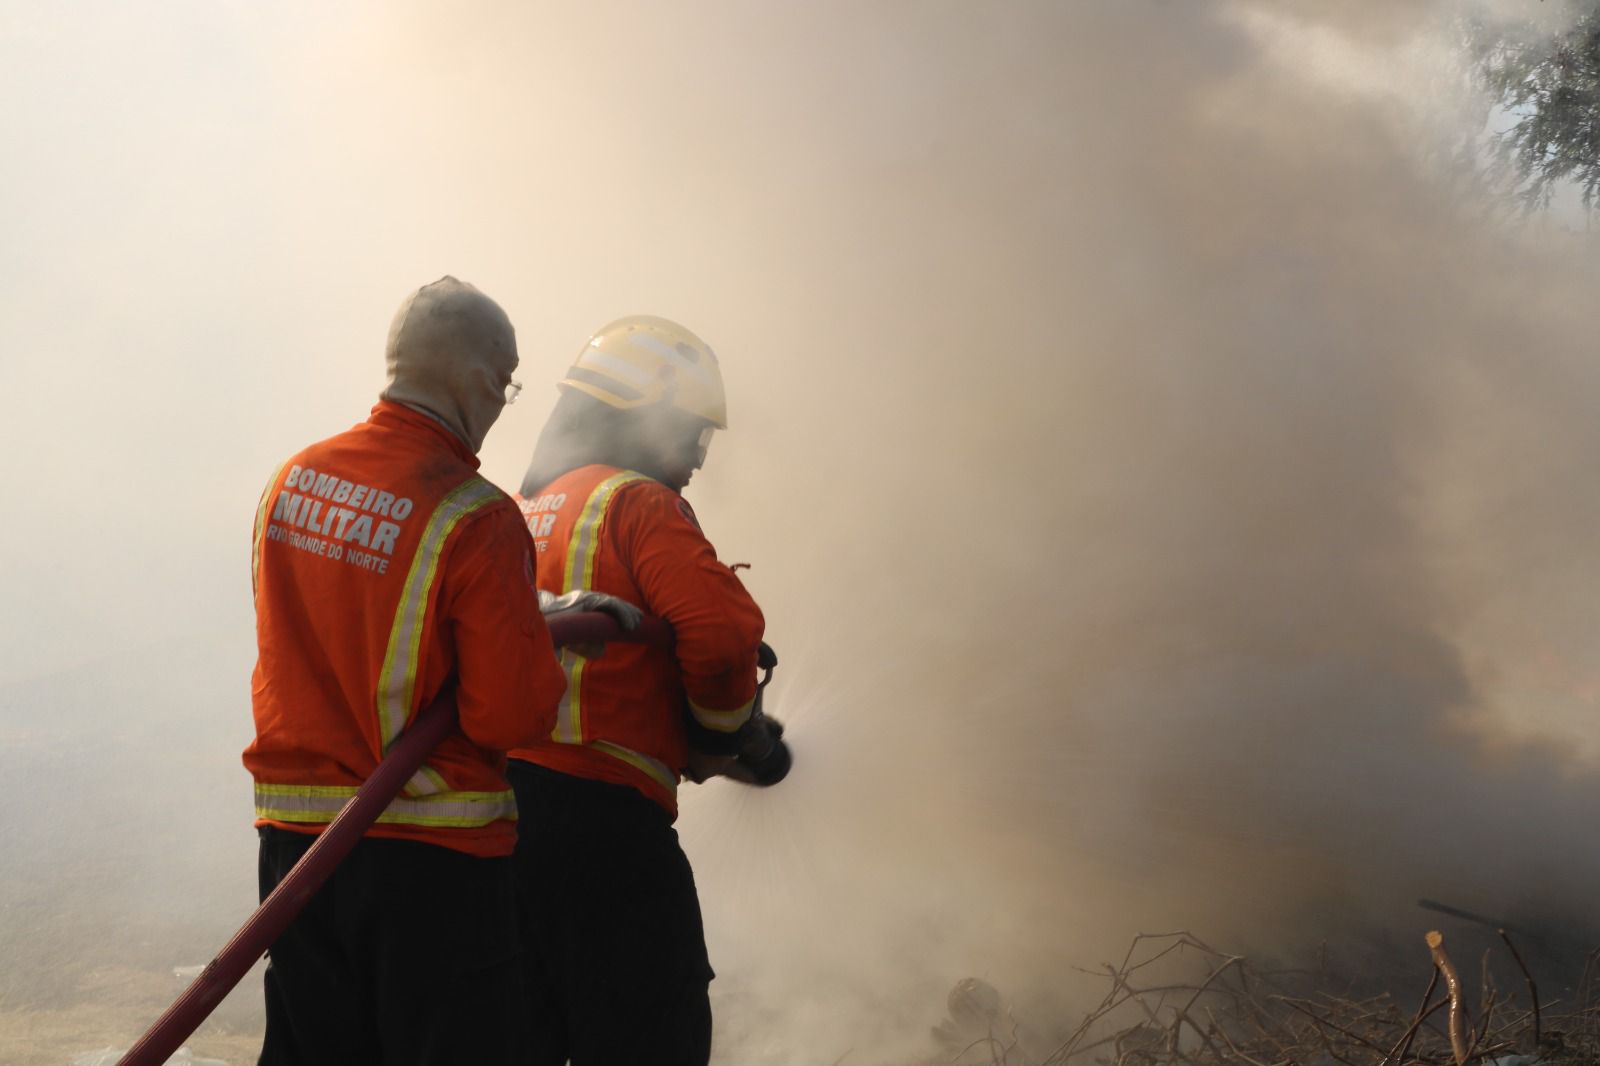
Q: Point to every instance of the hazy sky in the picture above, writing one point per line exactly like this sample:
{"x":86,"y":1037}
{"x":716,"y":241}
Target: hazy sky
{"x":1170,"y":491}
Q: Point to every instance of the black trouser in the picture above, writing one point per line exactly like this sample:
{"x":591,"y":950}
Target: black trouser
{"x":614,"y":949}
{"x":407,"y":955}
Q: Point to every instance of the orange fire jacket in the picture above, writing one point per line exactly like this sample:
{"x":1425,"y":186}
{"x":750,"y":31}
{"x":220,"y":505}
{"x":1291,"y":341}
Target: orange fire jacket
{"x":385,"y":568}
{"x":631,"y":716}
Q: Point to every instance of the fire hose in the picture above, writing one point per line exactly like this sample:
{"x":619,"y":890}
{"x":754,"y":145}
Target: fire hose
{"x":403,"y":759}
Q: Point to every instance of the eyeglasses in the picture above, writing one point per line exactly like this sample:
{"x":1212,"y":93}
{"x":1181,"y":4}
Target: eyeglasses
{"x":512,"y":388}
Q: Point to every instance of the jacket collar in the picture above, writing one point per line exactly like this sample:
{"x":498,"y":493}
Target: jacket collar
{"x":399,"y":416}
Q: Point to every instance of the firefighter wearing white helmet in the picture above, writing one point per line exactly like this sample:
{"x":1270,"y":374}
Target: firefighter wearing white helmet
{"x":659,"y":398}
{"x":615,"y":950}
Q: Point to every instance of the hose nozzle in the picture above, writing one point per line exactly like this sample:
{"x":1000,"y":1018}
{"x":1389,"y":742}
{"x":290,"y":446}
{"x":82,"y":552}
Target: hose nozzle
{"x":764,"y":759}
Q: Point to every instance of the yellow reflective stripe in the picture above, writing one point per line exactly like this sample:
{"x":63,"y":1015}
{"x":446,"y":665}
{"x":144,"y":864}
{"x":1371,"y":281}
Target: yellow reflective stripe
{"x":261,"y":527}
{"x":397,"y":680}
{"x":578,"y":573}
{"x":721,"y":721}
{"x":314,"y":804}
{"x":658,"y":771}
{"x":568,"y":716}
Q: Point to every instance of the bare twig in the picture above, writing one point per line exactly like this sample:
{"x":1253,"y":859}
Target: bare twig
{"x":1398,"y":1052}
{"x":1183,"y":1012}
{"x":1533,"y":989}
{"x":1290,"y":1001}
{"x":1588,"y":973}
{"x":1483,"y":1028}
{"x":1119,"y":980}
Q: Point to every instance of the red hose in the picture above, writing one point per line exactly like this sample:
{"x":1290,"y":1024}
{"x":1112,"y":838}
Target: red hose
{"x":431,"y":726}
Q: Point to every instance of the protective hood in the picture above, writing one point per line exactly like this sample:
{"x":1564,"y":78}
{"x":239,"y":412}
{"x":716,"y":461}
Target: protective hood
{"x":658,"y":441}
{"x":450,"y":355}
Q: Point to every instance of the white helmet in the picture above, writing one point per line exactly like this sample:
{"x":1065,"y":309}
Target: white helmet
{"x":642,"y":360}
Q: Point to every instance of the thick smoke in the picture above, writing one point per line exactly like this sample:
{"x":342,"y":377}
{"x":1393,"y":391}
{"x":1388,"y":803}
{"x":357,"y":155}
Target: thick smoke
{"x":1202,"y":474}
{"x":1167,"y":480}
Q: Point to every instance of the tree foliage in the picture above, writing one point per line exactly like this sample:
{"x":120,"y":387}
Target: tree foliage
{"x":1547,"y":91}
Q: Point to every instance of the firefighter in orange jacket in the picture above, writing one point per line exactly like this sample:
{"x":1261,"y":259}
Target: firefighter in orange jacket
{"x":615,"y":949}
{"x":387,"y":572}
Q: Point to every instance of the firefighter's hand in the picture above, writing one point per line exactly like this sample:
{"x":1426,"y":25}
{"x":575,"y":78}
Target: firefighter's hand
{"x":703,"y":767}
{"x":626,"y":614}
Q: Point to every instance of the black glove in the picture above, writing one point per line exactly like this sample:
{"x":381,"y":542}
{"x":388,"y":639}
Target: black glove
{"x":764,"y":759}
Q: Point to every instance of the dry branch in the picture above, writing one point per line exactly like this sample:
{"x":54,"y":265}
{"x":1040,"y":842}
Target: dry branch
{"x":1173,"y":1000}
{"x":1452,"y":984}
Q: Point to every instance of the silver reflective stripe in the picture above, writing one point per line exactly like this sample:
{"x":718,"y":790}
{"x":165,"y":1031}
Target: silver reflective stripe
{"x":397,"y":681}
{"x":426,"y":782}
{"x":567,"y":717}
{"x":659,"y":771}
{"x":639,"y":377}
{"x":577,"y":574}
{"x":579,"y":570}
{"x":315,"y":804}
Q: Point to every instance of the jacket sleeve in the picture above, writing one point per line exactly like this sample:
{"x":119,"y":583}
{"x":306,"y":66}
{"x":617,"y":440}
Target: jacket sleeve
{"x":717,"y":624}
{"x":508,"y":681}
